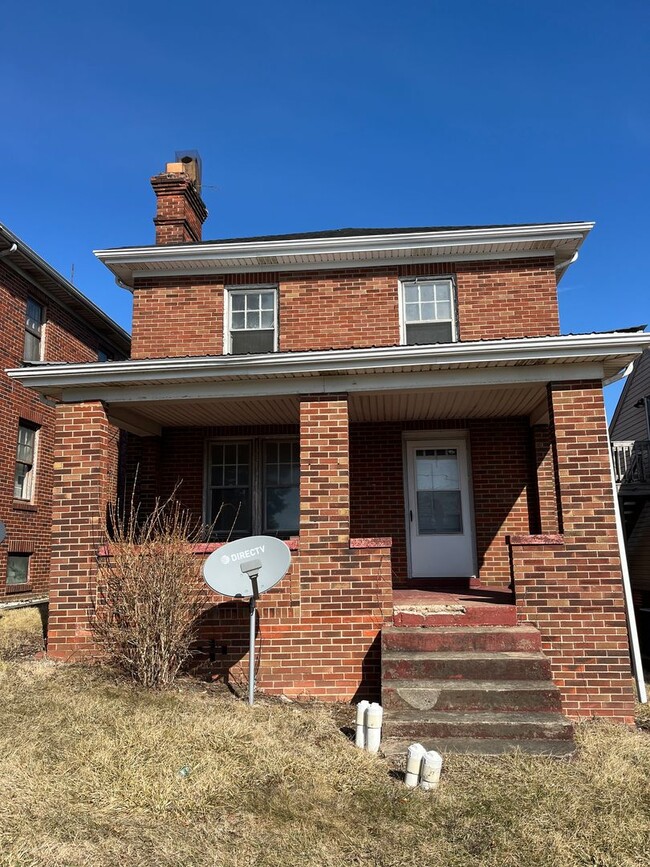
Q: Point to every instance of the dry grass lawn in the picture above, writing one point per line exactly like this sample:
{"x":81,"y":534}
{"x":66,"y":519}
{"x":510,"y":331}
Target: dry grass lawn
{"x":89,"y":775}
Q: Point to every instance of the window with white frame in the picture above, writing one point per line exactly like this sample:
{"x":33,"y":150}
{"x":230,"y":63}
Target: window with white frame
{"x":428,"y":314}
{"x":17,"y":569}
{"x":34,"y":318}
{"x":25,"y":462}
{"x":251,"y":320}
{"x":253,"y":487}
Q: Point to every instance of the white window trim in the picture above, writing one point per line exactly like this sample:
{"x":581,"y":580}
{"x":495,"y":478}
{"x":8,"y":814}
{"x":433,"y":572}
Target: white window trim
{"x":257,"y":487}
{"x":259,"y":287}
{"x":34,"y":469}
{"x":402,"y":309}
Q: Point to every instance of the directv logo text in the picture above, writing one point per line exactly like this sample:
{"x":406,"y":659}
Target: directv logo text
{"x":242,"y":555}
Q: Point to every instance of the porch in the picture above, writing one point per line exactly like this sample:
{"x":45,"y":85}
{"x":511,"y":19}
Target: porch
{"x":538,"y":501}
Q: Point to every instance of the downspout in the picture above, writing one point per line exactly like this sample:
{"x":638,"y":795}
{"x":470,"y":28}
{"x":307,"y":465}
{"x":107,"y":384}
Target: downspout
{"x":637,"y":664}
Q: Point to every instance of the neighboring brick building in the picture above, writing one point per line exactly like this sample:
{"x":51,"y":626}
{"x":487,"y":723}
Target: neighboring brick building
{"x":399,"y":403}
{"x":44,"y":320}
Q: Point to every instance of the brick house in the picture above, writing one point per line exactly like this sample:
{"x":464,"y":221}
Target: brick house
{"x":45,"y":319}
{"x":401,"y":406}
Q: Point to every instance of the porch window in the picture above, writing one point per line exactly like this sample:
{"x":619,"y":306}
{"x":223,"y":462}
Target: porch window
{"x":251,"y":321}
{"x":428,"y":314}
{"x":253,"y":487}
{"x":25,"y":462}
{"x":34,"y":318}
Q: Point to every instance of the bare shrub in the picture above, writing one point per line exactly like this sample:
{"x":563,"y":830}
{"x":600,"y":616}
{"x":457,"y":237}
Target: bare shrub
{"x":150,"y":593}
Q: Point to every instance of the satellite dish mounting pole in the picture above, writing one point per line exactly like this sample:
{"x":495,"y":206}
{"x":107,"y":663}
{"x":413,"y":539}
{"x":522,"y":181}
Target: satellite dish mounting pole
{"x":252,"y":569}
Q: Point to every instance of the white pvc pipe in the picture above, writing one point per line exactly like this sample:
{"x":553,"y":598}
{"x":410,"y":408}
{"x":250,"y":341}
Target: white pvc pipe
{"x":637,"y":664}
{"x":374,"y":716}
{"x":360,"y":736}
{"x":431,"y":770}
{"x":414,"y":756}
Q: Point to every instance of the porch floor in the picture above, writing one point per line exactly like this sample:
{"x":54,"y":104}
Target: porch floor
{"x":484,"y":606}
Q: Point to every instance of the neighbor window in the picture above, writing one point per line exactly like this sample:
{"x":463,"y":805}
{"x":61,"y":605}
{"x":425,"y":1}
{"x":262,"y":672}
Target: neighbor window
{"x":251,"y":321}
{"x":34,"y":318}
{"x":17,"y":569}
{"x":428,"y":314}
{"x":25,"y":462}
{"x":253,"y":487}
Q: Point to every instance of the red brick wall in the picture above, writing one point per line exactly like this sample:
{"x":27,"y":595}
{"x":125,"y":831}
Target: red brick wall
{"x":500,"y":480}
{"x":546,"y":481}
{"x":499,"y":452}
{"x":65,"y":339}
{"x":85,"y":482}
{"x":572,"y":591}
{"x":341,"y":309}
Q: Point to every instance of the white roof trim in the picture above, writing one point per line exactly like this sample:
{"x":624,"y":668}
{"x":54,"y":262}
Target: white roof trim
{"x":617,"y":348}
{"x":561,"y":239}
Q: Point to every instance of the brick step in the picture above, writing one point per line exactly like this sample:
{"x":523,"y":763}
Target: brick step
{"x":460,"y":638}
{"x":464,"y":695}
{"x":402,"y":665}
{"x":396,"y":747}
{"x":438,"y":725}
{"x":476,"y":615}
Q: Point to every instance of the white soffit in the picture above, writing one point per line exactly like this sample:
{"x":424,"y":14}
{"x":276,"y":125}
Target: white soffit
{"x":379,"y":406}
{"x":560,"y":240}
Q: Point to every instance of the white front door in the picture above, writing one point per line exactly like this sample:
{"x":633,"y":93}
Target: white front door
{"x":439,"y":518}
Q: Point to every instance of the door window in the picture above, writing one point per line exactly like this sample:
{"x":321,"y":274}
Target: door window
{"x":438,"y":496}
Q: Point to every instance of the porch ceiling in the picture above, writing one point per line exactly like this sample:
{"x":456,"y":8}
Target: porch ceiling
{"x":444,"y":403}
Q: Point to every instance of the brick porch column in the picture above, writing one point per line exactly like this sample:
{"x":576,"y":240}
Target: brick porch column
{"x":545,"y":470}
{"x":324,"y":472}
{"x":85,"y":481}
{"x":571,"y":586}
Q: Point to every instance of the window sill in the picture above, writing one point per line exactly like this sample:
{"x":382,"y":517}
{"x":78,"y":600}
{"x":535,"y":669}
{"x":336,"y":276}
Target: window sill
{"x":24,"y":506}
{"x":11,"y":589}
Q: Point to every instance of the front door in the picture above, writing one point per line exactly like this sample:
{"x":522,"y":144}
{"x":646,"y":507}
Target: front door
{"x":439,"y":517}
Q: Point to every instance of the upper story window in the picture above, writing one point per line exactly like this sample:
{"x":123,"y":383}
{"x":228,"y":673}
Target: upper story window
{"x":251,"y":321}
{"x":25,"y":462}
{"x":427,"y":311}
{"x":34,"y":319}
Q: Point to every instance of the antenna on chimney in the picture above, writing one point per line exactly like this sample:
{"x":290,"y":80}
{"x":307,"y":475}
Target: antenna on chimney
{"x":192,"y":166}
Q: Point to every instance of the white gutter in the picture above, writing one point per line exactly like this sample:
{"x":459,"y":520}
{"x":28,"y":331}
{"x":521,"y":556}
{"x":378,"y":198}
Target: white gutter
{"x":265,"y":254}
{"x":564,"y":348}
{"x":355,"y":243}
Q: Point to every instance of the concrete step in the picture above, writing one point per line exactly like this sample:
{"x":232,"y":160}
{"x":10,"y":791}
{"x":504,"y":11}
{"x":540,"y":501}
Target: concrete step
{"x":395,"y":748}
{"x":438,"y":725}
{"x":464,"y":695}
{"x":470,"y":615}
{"x":402,"y":665}
{"x":460,"y":638}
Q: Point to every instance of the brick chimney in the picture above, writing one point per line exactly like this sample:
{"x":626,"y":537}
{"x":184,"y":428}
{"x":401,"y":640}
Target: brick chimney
{"x":180,"y":210}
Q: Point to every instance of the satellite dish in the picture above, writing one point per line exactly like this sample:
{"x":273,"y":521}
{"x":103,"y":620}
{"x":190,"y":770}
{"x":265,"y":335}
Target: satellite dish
{"x":248,"y":567}
{"x":230,"y":570}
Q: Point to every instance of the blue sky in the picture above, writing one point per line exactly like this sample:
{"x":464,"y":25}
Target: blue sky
{"x":313,"y":115}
